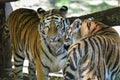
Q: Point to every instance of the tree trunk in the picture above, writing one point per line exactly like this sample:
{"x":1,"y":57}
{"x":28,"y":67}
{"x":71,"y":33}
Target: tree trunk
{"x":3,"y":1}
{"x":110,"y":17}
{"x":5,"y":50}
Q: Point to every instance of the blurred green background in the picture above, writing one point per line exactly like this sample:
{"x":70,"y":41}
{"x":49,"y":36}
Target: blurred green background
{"x":76,"y":7}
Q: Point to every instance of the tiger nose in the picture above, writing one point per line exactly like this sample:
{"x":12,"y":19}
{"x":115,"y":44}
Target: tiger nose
{"x":53,"y":27}
{"x":52,"y":32}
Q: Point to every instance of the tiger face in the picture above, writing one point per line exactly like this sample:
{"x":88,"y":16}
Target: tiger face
{"x":79,"y":29}
{"x":74,"y":32}
{"x":53,"y":23}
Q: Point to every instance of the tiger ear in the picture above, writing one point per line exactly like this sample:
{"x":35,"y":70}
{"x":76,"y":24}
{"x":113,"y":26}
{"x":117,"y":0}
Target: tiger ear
{"x":40,"y":10}
{"x":64,"y":10}
{"x":77,"y":22}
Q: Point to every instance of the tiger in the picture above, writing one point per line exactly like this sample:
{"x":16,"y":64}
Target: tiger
{"x":96,"y":55}
{"x":37,"y":36}
{"x":73,"y":33}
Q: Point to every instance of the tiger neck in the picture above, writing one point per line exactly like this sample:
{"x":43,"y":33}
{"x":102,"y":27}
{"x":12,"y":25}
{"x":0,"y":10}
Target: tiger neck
{"x":51,"y":46}
{"x":77,"y":36}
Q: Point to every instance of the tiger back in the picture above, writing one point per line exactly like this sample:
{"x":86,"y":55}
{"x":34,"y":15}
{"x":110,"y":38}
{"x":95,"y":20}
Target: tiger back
{"x":38,"y":35}
{"x":95,"y":55}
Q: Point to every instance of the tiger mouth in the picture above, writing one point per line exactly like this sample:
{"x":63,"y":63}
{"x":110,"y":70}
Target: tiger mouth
{"x":57,"y":38}
{"x":53,"y":41}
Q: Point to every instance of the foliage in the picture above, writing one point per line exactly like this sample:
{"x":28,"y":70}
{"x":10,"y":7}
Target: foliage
{"x":82,"y":6}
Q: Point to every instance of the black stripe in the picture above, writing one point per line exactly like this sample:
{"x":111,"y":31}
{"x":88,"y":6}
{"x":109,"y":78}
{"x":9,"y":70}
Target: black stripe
{"x":85,"y":47}
{"x":99,"y":38}
{"x":21,"y":16}
{"x":27,"y":54}
{"x":82,"y":62}
{"x":53,"y":54}
{"x":34,"y":23}
{"x":72,"y":65}
{"x":91,"y":68}
{"x":25,"y":20}
{"x":79,"y":50}
{"x":106,"y":32}
{"x":49,"y":49}
{"x":19,"y":65}
{"x":103,"y":29}
{"x":64,"y":57}
{"x":104,"y":45}
{"x":116,"y":62}
{"x":110,"y":54}
{"x":93,"y":49}
{"x":69,"y":52}
{"x":108,"y":45}
{"x":47,"y":67}
{"x":104,"y":70}
{"x":63,"y":25}
{"x":18,"y":57}
{"x":31,"y":67}
{"x":70,"y":75}
{"x":93,"y":30}
{"x":20,"y":71}
{"x":92,"y":60}
{"x":97,"y":43}
{"x":75,"y":56}
{"x":46,"y":54}
{"x":20,"y":49}
{"x":115,"y":72}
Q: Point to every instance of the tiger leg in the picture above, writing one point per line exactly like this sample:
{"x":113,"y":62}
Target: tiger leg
{"x":18,"y":63}
{"x":32,"y":70}
{"x":39,"y":69}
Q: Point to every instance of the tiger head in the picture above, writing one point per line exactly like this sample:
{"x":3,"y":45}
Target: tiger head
{"x":53,"y":23}
{"x":73,"y":32}
{"x":90,"y":27}
{"x":81,"y":28}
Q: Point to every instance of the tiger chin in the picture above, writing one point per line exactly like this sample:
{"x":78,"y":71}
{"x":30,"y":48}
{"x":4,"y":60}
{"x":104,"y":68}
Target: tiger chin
{"x":96,"y":55}
{"x":38,"y":36}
